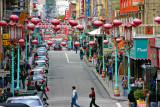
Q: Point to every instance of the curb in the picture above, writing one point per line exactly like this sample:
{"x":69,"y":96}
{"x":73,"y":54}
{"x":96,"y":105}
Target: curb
{"x":102,"y":83}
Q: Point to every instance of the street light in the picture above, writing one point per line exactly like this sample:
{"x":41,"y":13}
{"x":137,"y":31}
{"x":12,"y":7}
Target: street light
{"x":90,"y":27}
{"x":13,"y":39}
{"x":25,"y":32}
{"x":116,"y":24}
{"x":19,"y":36}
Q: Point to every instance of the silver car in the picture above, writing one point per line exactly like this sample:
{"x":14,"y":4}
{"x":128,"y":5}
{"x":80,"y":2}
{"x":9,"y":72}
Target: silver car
{"x":41,"y":63}
{"x":32,"y":101}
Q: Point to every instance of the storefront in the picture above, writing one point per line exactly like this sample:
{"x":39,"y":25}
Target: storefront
{"x":138,"y":57}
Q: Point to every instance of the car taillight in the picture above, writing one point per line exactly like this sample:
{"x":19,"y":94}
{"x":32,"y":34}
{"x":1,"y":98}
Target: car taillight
{"x":101,"y":70}
{"x":30,"y":82}
{"x":46,"y":65}
{"x":35,"y":56}
{"x":45,"y":55}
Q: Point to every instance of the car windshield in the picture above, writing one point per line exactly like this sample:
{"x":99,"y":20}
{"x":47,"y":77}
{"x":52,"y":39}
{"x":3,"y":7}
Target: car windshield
{"x":41,"y":58}
{"x":37,"y":77}
{"x":36,"y":72}
{"x":40,"y":63}
{"x":30,"y":102}
{"x":41,"y":53}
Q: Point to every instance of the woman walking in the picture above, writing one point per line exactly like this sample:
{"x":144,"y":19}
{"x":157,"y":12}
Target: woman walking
{"x":43,"y":88}
{"x":81,"y":53}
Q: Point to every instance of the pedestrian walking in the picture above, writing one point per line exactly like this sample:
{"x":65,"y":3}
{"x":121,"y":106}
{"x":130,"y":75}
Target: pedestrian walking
{"x":23,"y":78}
{"x":81,"y":54}
{"x":43,"y":88}
{"x":26,"y":67}
{"x":131,"y":99}
{"x":74,"y":97}
{"x":110,"y":72}
{"x":76,"y":49}
{"x":9,"y":93}
{"x":92,"y":95}
{"x":125,"y":86}
{"x":4,"y":95}
{"x":124,"y":77}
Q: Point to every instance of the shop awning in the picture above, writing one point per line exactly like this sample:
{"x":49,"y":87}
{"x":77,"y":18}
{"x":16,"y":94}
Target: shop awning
{"x":95,"y":32}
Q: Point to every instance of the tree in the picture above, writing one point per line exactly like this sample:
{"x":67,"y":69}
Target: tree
{"x":60,"y":17}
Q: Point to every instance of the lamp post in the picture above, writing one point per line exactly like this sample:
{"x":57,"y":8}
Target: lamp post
{"x":90,"y":27}
{"x":19,"y":36}
{"x":12,"y":33}
{"x":25,"y":32}
{"x":129,"y":45}
{"x":116,"y":34}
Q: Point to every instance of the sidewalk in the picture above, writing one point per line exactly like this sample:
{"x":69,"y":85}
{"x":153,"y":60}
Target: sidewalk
{"x":108,"y":85}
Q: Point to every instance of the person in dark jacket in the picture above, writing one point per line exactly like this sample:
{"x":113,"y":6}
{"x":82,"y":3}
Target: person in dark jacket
{"x":4,"y":94}
{"x":152,"y":98}
{"x":43,"y":88}
{"x":9,"y":93}
{"x":93,"y":96}
{"x":23,"y":78}
{"x":132,"y":99}
{"x":81,"y":54}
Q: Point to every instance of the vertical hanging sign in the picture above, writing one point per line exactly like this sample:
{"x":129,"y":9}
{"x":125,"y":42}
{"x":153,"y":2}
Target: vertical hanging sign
{"x":87,"y":8}
{"x":66,"y":15}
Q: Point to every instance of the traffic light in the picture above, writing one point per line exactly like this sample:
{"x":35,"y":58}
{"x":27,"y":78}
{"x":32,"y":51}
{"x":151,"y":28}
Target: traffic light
{"x":121,"y":56}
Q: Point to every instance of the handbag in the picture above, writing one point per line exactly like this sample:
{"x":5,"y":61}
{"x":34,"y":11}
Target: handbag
{"x":47,"y":89}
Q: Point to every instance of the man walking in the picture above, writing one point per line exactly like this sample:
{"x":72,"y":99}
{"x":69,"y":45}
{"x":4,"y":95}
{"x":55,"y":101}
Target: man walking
{"x":23,"y":77}
{"x":93,"y":96}
{"x":74,"y":97}
{"x":43,"y":88}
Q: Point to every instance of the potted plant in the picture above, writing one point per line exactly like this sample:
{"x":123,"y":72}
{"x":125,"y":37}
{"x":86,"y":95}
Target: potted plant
{"x":141,"y":95}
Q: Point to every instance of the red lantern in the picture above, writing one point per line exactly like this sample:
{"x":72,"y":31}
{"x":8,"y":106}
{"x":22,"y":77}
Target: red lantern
{"x":108,"y":26}
{"x":35,"y":20}
{"x":105,"y":42}
{"x":103,"y":19}
{"x":117,"y":22}
{"x":55,"y":22}
{"x":91,"y":43}
{"x":21,"y":41}
{"x":98,"y":23}
{"x":3,"y":23}
{"x":63,"y":43}
{"x":34,"y":41}
{"x":77,"y":43}
{"x":50,"y":43}
{"x":133,"y":24}
{"x":57,"y":28}
{"x":30,"y":26}
{"x":78,"y":17}
{"x":157,"y":19}
{"x":72,"y":18}
{"x":137,"y":21}
{"x":29,"y":17}
{"x":121,"y":52}
{"x":14,"y":17}
{"x":118,"y":40}
{"x":73,"y":23}
{"x":80,"y":27}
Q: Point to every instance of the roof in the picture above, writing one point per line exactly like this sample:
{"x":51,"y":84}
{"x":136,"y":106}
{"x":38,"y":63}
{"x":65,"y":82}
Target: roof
{"x":24,"y":97}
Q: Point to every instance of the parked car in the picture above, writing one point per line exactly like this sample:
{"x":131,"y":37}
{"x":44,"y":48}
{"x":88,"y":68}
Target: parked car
{"x":31,"y":101}
{"x":41,"y":58}
{"x":13,"y":105}
{"x":41,"y":63}
{"x":27,"y":93}
{"x":35,"y":82}
{"x":41,"y":49}
{"x":40,"y":53}
{"x":57,"y":47}
{"x":36,"y":71}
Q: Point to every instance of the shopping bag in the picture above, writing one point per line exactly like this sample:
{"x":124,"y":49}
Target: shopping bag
{"x":47,"y":89}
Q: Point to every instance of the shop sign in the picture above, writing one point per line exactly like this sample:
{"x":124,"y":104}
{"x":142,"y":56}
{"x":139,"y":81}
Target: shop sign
{"x":5,"y":42}
{"x":157,"y":42}
{"x":139,"y":49}
{"x":5,"y":36}
{"x":152,"y":42}
{"x":158,"y":74}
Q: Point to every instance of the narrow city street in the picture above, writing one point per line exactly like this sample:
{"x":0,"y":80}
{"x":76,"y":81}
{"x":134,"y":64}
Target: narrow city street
{"x":67,"y":70}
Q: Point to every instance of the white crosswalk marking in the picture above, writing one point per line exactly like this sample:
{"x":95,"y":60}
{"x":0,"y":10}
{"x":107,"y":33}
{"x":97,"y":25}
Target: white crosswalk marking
{"x":118,"y":104}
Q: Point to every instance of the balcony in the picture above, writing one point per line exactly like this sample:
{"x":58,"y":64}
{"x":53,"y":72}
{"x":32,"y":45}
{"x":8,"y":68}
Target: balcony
{"x":137,"y":2}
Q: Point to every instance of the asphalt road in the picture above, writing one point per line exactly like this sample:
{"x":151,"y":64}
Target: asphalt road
{"x":67,"y":70}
